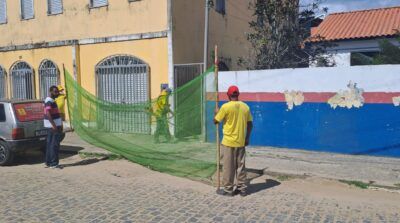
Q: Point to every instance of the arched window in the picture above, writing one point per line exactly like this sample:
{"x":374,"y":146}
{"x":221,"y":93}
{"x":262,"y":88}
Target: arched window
{"x":3,"y":83}
{"x":22,"y":81}
{"x":48,"y":76}
{"x":124,"y":79}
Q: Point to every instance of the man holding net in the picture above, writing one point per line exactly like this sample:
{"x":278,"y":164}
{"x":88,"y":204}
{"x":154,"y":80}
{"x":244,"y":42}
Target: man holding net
{"x":161,"y":109}
{"x":53,"y":122}
{"x":237,"y":126}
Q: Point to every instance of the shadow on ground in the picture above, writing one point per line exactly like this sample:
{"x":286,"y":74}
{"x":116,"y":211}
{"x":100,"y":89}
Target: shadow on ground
{"x":85,"y":162}
{"x":377,"y":151}
{"x":37,"y":156}
{"x":257,"y":187}
{"x":70,"y":149}
{"x":269,"y":183}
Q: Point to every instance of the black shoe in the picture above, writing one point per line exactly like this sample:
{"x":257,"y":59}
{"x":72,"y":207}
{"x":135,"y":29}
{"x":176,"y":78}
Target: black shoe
{"x":242,"y":193}
{"x":225,"y":193}
{"x":59,"y":167}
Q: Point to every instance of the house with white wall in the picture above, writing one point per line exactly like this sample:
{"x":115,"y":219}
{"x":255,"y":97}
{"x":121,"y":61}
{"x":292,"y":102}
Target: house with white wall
{"x":357,"y":32}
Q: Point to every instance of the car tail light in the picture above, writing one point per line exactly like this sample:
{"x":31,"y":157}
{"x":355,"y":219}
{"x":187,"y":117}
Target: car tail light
{"x":18,"y":133}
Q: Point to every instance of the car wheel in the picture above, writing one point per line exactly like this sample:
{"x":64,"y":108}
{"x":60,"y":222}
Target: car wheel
{"x":6,"y":155}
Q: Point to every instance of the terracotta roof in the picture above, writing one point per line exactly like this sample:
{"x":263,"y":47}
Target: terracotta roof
{"x":359,"y":24}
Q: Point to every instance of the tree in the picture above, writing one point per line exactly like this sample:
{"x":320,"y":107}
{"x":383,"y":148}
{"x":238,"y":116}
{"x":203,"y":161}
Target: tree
{"x":280,"y":36}
{"x":388,"y":53}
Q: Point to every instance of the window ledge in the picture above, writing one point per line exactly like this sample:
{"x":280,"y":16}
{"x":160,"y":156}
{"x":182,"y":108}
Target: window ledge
{"x":23,"y":19}
{"x":54,"y":14}
{"x":96,"y":7}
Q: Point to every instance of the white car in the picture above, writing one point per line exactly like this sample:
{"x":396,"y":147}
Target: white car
{"x":21,"y":128}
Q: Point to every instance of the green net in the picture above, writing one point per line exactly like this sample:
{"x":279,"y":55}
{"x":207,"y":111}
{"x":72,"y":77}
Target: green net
{"x":150,"y":133}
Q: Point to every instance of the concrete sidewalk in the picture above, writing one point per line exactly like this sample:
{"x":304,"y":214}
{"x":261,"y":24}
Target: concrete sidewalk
{"x":369,"y":169}
{"x":73,"y":143}
{"x":378,"y":170}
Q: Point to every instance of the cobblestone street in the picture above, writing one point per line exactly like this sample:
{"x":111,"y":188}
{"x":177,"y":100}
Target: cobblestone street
{"x":119,"y":191}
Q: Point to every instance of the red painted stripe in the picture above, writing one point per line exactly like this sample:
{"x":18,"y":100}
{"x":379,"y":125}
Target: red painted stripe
{"x":271,"y":97}
{"x":370,"y":97}
{"x":380,"y":97}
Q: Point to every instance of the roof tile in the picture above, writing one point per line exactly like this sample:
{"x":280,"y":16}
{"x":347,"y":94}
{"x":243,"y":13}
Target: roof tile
{"x":359,"y":24}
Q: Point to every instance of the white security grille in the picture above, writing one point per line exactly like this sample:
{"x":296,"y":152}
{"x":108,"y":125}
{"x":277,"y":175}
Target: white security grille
{"x":48,"y":76}
{"x":22,"y":81}
{"x":55,"y":7}
{"x":124,"y":80}
{"x":27,"y":11}
{"x":98,"y":3}
{"x":3,"y":83}
{"x":3,"y":11}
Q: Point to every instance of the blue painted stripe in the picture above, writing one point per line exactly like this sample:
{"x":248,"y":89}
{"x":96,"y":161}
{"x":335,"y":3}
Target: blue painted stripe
{"x":373,"y":129}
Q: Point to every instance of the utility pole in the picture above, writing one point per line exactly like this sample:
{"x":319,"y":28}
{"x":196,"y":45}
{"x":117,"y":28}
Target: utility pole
{"x":206,"y":18}
{"x":207,"y":13}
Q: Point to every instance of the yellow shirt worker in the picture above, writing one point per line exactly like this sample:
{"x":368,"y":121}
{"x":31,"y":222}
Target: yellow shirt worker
{"x":60,"y":101}
{"x":161,"y":109}
{"x":237,"y":126}
{"x":161,"y":105}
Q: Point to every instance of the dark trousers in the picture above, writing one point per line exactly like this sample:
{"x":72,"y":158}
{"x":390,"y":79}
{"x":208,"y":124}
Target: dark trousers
{"x":52,"y":147}
{"x":162,"y":128}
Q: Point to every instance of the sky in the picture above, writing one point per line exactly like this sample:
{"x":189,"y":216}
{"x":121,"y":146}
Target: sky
{"x":351,"y":5}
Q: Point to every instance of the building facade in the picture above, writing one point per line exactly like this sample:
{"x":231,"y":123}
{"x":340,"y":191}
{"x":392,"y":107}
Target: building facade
{"x":90,"y":39}
{"x":118,"y":50}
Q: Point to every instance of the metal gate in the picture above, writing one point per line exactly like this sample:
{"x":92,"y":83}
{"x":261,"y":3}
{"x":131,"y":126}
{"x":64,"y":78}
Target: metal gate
{"x":22,"y":81}
{"x":48,"y":76}
{"x":3,"y":83}
{"x":188,"y":123}
{"x":123,"y":80}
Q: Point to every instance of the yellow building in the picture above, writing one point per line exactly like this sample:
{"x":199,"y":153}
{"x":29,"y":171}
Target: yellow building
{"x":119,"y":50}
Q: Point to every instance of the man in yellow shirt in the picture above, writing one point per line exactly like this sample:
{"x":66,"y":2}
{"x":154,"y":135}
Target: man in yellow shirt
{"x":60,"y":101}
{"x":160,"y":110}
{"x":237,"y":126}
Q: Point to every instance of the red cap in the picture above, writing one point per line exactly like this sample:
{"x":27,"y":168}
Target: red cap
{"x":233,"y":90}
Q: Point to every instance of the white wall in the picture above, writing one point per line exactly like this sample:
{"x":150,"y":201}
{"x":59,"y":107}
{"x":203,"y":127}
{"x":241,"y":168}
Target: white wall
{"x":381,"y":78}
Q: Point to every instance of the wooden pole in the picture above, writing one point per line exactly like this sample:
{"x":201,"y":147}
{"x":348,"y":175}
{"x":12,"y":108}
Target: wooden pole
{"x":216,"y":108}
{"x":66,"y":94}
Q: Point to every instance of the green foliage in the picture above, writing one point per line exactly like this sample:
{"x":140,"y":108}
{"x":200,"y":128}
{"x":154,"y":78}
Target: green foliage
{"x":359,"y":184}
{"x":279,"y":36}
{"x":360,"y":59}
{"x":389,"y":53}
{"x":283,"y":177}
